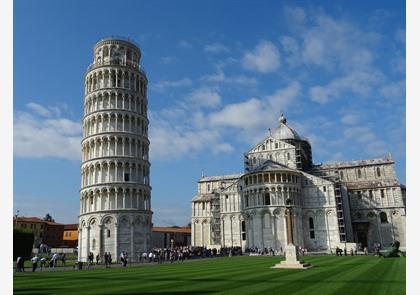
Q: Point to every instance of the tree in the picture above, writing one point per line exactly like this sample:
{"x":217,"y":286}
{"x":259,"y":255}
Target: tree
{"x":23,"y":240}
{"x":48,"y":217}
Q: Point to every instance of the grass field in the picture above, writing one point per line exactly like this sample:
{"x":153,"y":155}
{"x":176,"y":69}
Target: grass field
{"x":229,"y":275}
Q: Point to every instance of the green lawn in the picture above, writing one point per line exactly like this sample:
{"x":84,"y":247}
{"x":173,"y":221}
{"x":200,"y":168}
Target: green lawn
{"x":234,"y":275}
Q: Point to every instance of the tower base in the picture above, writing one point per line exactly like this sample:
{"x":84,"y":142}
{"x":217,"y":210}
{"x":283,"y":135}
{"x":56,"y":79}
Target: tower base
{"x":292,"y":259}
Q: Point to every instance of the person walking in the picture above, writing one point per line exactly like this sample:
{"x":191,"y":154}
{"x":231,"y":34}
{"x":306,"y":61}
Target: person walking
{"x":43,"y":262}
{"x":34,"y":263}
{"x":54,"y":259}
{"x":19,"y":264}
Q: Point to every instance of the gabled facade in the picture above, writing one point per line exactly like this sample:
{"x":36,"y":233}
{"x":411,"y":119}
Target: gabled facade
{"x":248,"y":210}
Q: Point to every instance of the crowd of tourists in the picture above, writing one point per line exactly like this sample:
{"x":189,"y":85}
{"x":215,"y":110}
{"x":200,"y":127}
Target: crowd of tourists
{"x":50,"y":261}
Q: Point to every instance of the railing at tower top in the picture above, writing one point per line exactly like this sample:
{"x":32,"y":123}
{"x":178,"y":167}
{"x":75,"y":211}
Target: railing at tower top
{"x":117,"y":63}
{"x":116,"y":38}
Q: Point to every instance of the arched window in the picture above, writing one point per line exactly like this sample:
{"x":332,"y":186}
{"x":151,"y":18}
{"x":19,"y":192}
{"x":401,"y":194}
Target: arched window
{"x":311,"y":228}
{"x":243,"y":230}
{"x":311,"y":223}
{"x":287,"y":156}
{"x":359,"y":173}
{"x":384,"y":218}
{"x":378,"y":171}
{"x":263,"y":147}
{"x":341,"y":174}
{"x":276,"y":145}
{"x":267,"y":198}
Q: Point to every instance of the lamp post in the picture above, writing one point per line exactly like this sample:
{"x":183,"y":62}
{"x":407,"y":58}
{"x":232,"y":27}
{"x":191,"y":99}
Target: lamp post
{"x":16,"y":217}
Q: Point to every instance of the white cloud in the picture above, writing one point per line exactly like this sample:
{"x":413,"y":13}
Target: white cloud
{"x":400,"y":35}
{"x":184,"y":44}
{"x":350,"y":118}
{"x":364,"y":136}
{"x":36,"y":136}
{"x":393,"y":90}
{"x":223,"y":148}
{"x":253,"y":115}
{"x":167,"y":59}
{"x":204,"y":97}
{"x":164,"y":84}
{"x":239,"y":80}
{"x":357,"y":83}
{"x":265,"y":58}
{"x":39,"y":109}
{"x":215,"y":48}
{"x":295,"y":15}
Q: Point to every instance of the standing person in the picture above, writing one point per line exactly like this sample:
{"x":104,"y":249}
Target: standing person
{"x":351,"y":252}
{"x":63,"y":260}
{"x":109,"y":259}
{"x":366,"y":251}
{"x":34,"y":262}
{"x":18,"y":264}
{"x":122,"y":258}
{"x":97,"y":259}
{"x":106,"y":259}
{"x":125,"y":259}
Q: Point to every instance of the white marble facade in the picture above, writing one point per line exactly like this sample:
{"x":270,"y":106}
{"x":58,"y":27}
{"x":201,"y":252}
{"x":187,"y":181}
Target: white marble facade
{"x":347,"y":202}
{"x":115,"y":201}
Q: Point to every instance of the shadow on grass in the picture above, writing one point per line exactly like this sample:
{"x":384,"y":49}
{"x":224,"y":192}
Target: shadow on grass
{"x":46,"y":291}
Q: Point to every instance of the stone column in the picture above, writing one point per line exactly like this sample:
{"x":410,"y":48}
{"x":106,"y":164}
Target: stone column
{"x":202,"y":234}
{"x":100,"y":249}
{"x":274,"y":226}
{"x":262,"y":230}
{"x":80,"y":246}
{"x":131,"y":241}
{"x":116,"y":256}
{"x":87,"y":241}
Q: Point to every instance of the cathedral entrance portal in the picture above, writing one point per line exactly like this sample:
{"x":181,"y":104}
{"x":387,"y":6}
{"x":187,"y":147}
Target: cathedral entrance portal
{"x":362,"y":238}
{"x":361,"y":229}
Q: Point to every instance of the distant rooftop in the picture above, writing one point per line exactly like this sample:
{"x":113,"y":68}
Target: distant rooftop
{"x":220,"y":177}
{"x":161,"y":229}
{"x":355,"y":163}
{"x":34,"y":220}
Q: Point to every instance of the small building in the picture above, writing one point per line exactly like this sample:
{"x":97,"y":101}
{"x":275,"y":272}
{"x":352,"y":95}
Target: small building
{"x":165,"y":237}
{"x":45,"y":232}
{"x":70,"y":235}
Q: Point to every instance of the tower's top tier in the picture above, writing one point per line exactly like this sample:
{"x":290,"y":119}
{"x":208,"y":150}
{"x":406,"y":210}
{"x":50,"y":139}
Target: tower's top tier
{"x":116,"y":51}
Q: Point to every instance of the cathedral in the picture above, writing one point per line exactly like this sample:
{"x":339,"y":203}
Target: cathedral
{"x":345,"y":204}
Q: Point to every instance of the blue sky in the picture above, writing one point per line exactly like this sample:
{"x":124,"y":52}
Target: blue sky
{"x":220,"y":74}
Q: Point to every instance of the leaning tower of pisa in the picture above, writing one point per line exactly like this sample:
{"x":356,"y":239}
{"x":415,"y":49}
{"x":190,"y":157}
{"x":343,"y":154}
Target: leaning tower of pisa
{"x":115,"y":210}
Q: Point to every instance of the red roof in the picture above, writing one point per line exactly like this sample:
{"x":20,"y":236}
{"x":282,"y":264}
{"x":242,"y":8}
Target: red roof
{"x":71,"y":226}
{"x":185,"y":230}
{"x":34,"y":220}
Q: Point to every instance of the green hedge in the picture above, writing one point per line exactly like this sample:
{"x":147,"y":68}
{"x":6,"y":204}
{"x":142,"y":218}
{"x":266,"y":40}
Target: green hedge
{"x":22,"y":243}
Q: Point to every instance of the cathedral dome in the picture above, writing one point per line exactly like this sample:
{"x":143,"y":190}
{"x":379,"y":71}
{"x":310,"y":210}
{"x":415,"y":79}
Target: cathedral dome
{"x":284,"y":132}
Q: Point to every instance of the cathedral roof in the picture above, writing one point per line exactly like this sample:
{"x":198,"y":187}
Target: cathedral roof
{"x":202,"y":197}
{"x":270,"y":165}
{"x":283,"y":131}
{"x":220,"y":177}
